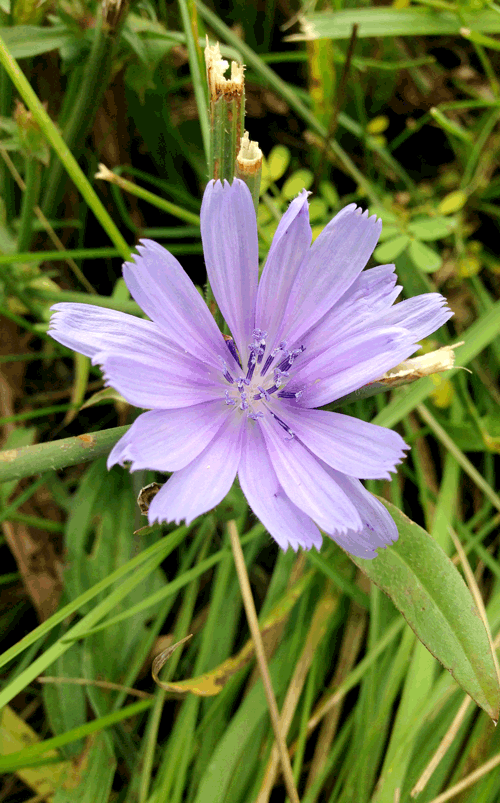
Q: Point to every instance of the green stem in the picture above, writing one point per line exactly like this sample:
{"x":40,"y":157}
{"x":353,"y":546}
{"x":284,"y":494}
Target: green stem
{"x":109,"y":302}
{"x":54,"y":137}
{"x":32,"y":180}
{"x":88,"y":96}
{"x":151,"y":197}
{"x":6,"y":180}
{"x":189,"y":17}
{"x":27,"y":460}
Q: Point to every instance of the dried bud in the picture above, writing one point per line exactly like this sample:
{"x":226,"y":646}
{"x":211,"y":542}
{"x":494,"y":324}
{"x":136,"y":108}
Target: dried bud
{"x":216,"y":67}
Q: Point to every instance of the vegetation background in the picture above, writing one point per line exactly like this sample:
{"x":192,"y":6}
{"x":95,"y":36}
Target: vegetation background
{"x":400,"y":114}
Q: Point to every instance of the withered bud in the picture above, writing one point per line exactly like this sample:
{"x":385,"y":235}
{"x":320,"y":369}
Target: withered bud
{"x":218,"y":85}
{"x":113,"y":14}
{"x":249,"y":159}
{"x":415,"y":368}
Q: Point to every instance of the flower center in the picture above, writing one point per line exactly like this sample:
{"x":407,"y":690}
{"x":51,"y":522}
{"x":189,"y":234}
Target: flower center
{"x":262,"y":379}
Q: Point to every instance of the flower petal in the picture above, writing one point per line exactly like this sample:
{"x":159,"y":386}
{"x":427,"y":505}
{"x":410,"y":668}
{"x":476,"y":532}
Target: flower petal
{"x":289,"y":247}
{"x":306,"y":483}
{"x":347,"y":444}
{"x":287,"y":524}
{"x":167,"y":295}
{"x":370,"y":296}
{"x":229,"y":235}
{"x":420,"y":315}
{"x":164,"y":379}
{"x":379,"y":529}
{"x":89,"y":329}
{"x":348,"y":365}
{"x":332,"y":264}
{"x":167,"y":440}
{"x":204,"y":482}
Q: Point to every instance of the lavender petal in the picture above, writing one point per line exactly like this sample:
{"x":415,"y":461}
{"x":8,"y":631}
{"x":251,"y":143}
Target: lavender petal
{"x":420,"y":315}
{"x":167,"y":295}
{"x":347,"y":444}
{"x":306,"y":483}
{"x":229,"y":235}
{"x":361,"y":307}
{"x":379,"y":529}
{"x":288,"y":249}
{"x":167,"y":440}
{"x":204,"y":482}
{"x":350,"y":364}
{"x":334,"y":261}
{"x":288,"y":525}
{"x":164,"y":379}
{"x":89,"y":329}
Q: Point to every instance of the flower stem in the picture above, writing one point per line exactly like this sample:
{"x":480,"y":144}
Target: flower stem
{"x":253,"y":622}
{"x":189,"y":15}
{"x":15,"y":464}
{"x":106,"y":174}
{"x":227,"y":113}
{"x":30,"y":199}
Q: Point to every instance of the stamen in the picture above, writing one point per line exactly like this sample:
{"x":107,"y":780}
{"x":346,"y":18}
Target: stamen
{"x":280,"y":347}
{"x":227,"y":375}
{"x":229,"y":400}
{"x":252,"y":362}
{"x":264,"y":394}
{"x":244,"y":402}
{"x":279,"y":377}
{"x":260,"y":344}
{"x":287,"y":394}
{"x":290,"y":357}
{"x":283,"y":425}
{"x":232,"y":348}
{"x":255,"y":416}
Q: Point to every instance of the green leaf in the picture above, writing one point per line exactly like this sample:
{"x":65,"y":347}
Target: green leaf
{"x":431,"y":228}
{"x":278,"y":161}
{"x":430,"y":593}
{"x":25,"y":41}
{"x":301,"y":179}
{"x":389,"y":233}
{"x":392,"y":248}
{"x":452,"y":202}
{"x":389,"y":21}
{"x":423,"y":257}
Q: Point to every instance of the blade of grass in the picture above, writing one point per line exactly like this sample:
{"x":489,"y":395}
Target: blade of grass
{"x":54,"y":137}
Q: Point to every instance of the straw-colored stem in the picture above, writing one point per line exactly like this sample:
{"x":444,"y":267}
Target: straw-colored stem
{"x":253,"y":624}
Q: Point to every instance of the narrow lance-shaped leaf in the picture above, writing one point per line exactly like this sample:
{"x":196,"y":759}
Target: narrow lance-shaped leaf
{"x":432,"y":596}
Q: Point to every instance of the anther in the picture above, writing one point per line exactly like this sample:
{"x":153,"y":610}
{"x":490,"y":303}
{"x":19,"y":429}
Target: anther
{"x":280,"y":347}
{"x":263,"y":394}
{"x":255,"y":416}
{"x":286,"y":394}
{"x":232,"y":349}
{"x":283,"y":425}
{"x":226,"y":374}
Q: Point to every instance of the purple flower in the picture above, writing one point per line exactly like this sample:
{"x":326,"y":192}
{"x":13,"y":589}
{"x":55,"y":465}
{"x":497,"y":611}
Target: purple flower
{"x":314,"y":328}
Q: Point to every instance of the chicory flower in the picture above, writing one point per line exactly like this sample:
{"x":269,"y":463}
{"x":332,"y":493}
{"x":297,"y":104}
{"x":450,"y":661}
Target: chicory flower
{"x":313,"y":329}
